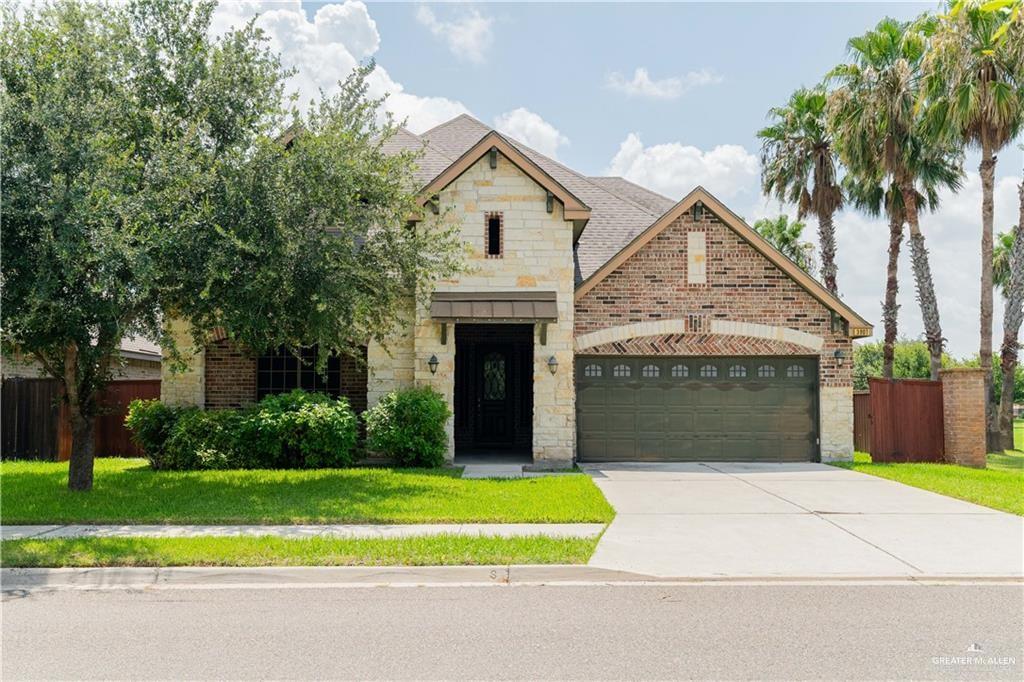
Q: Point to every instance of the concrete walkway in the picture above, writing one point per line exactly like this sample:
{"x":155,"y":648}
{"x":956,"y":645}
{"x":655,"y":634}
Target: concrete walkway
{"x":794,"y":520}
{"x":507,"y":530}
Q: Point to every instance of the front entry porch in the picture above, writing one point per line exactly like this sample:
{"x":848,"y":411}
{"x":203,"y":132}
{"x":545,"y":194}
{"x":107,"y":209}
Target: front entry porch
{"x":493,"y":396}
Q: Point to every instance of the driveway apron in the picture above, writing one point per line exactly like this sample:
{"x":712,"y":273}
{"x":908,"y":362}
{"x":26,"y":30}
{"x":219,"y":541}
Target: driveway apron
{"x":795,"y":520}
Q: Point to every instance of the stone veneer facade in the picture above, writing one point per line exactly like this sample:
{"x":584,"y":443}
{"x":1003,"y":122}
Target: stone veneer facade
{"x":748,"y":306}
{"x":536,"y":255}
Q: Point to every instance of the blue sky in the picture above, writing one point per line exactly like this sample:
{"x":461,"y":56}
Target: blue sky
{"x":667,"y":95}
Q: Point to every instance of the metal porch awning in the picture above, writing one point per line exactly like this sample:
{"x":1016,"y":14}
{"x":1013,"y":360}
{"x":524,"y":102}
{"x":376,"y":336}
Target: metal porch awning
{"x":494,"y":306}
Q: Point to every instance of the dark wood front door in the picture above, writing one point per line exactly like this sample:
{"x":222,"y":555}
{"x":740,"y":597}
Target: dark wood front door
{"x":493,"y":376}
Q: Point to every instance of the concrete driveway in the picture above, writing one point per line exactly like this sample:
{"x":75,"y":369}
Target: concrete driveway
{"x":794,"y":520}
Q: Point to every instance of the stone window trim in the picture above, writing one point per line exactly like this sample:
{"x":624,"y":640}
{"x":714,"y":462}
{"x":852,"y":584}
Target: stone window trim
{"x":494,"y":244}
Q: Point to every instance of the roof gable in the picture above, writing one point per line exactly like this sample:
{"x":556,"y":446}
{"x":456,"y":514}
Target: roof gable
{"x":574,"y":208}
{"x":859,"y":327}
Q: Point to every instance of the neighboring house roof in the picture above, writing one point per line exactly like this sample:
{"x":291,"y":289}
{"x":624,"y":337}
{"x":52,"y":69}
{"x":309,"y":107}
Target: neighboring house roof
{"x":623,"y":215}
{"x":137,"y":348}
{"x":859,"y":327}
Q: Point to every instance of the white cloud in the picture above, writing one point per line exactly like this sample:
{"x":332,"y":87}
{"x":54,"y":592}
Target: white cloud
{"x":641,"y":84}
{"x":529,"y":128}
{"x":728,"y":171}
{"x":467,"y":37}
{"x":326,"y":48}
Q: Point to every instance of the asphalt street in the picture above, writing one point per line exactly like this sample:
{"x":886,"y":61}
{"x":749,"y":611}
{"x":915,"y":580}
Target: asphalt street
{"x":565,"y":632}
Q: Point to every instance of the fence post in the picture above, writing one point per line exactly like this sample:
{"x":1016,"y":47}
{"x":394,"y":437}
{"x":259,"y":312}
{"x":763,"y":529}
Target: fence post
{"x":963,"y":415}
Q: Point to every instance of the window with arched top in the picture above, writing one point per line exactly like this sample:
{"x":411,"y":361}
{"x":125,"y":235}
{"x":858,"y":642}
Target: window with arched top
{"x":737,"y":372}
{"x":708,"y":371}
{"x":795,"y":371}
{"x":621,"y":371}
{"x":766,"y":371}
{"x":680,"y":371}
{"x":650,"y":371}
{"x":592,"y":371}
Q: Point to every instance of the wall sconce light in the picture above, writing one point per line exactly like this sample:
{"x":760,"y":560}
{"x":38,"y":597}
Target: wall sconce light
{"x":840,"y":357}
{"x":432,"y":363}
{"x":494,"y":157}
{"x":698,"y":211}
{"x":552,"y":364}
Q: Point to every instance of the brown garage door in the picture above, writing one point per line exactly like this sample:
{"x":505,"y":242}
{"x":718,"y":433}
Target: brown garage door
{"x":749,"y":409}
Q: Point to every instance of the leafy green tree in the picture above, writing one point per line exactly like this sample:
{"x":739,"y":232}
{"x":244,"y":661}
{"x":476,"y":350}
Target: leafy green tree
{"x":912,"y":361}
{"x":976,"y":81}
{"x":877,"y":113}
{"x":143,"y":179}
{"x":1008,"y":270}
{"x":798,"y":166}
{"x":785,"y":236}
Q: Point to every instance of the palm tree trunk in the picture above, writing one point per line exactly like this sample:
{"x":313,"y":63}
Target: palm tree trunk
{"x":987,"y":172}
{"x":923,"y":281}
{"x":890,"y":308}
{"x":827,"y":237}
{"x":1013,"y":315}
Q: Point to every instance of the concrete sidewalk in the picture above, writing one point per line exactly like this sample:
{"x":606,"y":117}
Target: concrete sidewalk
{"x":506,"y":530}
{"x":734,"y":519}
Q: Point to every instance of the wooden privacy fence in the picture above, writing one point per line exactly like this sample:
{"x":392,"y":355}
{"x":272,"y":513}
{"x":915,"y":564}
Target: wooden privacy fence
{"x":36,"y":425}
{"x":862,"y":421}
{"x":906,"y":420}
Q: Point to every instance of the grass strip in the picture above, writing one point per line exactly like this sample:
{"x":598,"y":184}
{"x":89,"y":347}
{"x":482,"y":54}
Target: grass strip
{"x":1000,"y":486}
{"x":128,"y":491}
{"x":433,"y":550}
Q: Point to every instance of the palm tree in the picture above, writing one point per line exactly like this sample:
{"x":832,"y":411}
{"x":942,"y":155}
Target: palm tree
{"x":879,"y":128}
{"x":1008,"y":274}
{"x":785,"y":236}
{"x":873,"y":195}
{"x":976,"y":79}
{"x":798,"y":166}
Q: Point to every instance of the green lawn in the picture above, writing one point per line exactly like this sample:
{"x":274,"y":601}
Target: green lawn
{"x":435,"y":550}
{"x":1000,"y":485}
{"x":127,"y":491}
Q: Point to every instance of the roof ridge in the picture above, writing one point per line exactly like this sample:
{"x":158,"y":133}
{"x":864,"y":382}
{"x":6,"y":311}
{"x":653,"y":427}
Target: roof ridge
{"x":453,"y":120}
{"x":635,"y":184}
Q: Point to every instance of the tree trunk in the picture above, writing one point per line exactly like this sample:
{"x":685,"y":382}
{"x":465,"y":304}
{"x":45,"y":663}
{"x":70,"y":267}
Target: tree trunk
{"x":923,"y":281}
{"x":82,"y":451}
{"x":987,"y":172}
{"x":827,"y":237}
{"x":890,"y":308}
{"x":78,"y":402}
{"x":1013,"y":315}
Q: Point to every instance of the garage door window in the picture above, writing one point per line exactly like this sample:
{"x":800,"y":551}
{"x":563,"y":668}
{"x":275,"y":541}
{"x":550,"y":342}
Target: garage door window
{"x":795,"y":372}
{"x":650,"y":371}
{"x":592,"y":371}
{"x":621,"y":371}
{"x":737,"y":372}
{"x":680,"y":371}
{"x":766,"y":371}
{"x":708,"y":372}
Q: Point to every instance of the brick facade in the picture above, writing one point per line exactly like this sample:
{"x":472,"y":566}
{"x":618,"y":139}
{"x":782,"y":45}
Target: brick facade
{"x":762,"y":309}
{"x":963,"y":415}
{"x":231,"y":378}
{"x":742,"y":286}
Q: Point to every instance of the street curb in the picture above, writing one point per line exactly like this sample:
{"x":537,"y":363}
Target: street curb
{"x":194,"y":577}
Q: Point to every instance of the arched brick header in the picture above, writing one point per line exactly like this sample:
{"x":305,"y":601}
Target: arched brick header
{"x":695,"y":326}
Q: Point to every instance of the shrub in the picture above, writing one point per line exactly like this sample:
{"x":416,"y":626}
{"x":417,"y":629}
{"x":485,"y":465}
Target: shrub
{"x":296,"y":430}
{"x":408,"y":426}
{"x":151,"y":423}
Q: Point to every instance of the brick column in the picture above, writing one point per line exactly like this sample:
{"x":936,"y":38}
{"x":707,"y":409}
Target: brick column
{"x":963,"y":415}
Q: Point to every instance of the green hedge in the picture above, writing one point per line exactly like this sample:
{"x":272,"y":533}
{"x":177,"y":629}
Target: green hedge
{"x":408,"y":427}
{"x":296,"y":430}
